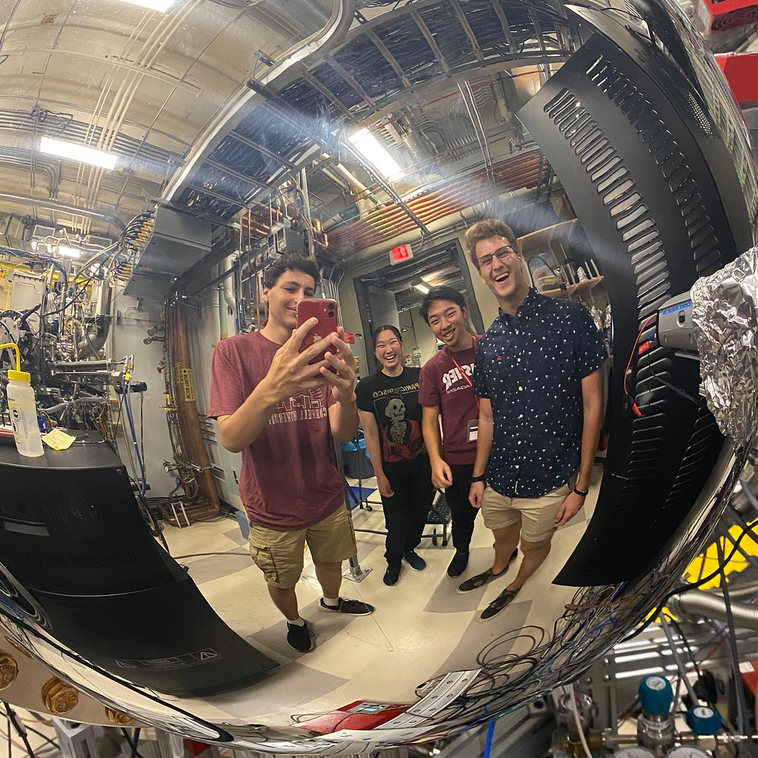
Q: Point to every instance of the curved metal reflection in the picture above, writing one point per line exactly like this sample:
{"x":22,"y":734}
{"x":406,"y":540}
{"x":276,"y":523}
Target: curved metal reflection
{"x":640,"y":129}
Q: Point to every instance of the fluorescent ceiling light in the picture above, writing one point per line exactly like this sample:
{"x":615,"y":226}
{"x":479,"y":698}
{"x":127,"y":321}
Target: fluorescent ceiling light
{"x":423,"y":288}
{"x":370,"y":148}
{"x":70,"y":252}
{"x":78,"y":153}
{"x":153,"y":5}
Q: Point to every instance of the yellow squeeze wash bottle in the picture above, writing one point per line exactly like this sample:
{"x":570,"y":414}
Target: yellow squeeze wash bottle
{"x":23,"y":409}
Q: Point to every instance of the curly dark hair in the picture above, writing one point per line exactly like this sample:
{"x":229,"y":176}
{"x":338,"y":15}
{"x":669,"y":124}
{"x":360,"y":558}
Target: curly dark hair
{"x":288,"y":263}
{"x":484,"y":230}
{"x":440,"y":292}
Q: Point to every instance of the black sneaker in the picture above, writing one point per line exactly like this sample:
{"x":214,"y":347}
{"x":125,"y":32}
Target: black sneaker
{"x":391,"y":575}
{"x":299,"y":637}
{"x":479,"y":580}
{"x":415,"y":561}
{"x":348,"y":607}
{"x":497,"y":605}
{"x":458,"y":564}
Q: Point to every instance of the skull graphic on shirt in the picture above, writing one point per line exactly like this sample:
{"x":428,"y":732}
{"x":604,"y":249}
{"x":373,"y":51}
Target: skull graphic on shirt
{"x":395,"y":411}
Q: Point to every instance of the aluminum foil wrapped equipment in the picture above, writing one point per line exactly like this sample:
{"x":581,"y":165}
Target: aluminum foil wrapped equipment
{"x":725,"y":320}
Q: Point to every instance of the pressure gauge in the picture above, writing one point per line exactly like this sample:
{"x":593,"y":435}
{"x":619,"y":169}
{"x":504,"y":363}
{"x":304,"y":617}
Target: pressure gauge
{"x":687,"y":751}
{"x":634,"y":751}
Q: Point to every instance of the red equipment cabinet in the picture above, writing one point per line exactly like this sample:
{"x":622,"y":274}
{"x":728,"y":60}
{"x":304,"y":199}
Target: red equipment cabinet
{"x":727,"y":14}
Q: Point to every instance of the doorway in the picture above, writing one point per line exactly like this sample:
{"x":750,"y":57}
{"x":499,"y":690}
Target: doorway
{"x":393,"y":294}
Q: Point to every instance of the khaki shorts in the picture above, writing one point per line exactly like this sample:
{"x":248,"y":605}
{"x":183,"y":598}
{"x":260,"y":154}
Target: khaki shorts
{"x":536,"y":514}
{"x":279,"y":555}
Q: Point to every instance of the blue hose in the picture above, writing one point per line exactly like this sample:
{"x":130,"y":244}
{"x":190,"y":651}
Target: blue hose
{"x":488,"y":743}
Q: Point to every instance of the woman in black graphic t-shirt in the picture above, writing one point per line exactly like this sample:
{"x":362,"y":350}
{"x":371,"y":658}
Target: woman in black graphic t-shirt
{"x":391,"y":417}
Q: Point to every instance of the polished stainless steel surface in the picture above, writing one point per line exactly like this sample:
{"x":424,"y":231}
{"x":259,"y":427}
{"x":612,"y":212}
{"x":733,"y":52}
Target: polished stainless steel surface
{"x":439,"y":83}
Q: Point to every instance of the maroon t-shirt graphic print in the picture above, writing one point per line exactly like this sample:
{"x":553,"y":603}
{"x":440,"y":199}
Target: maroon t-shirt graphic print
{"x":288,"y":479}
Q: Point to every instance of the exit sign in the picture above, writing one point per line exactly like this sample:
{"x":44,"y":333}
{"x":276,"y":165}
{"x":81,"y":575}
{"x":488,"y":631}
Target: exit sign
{"x":400,"y":254}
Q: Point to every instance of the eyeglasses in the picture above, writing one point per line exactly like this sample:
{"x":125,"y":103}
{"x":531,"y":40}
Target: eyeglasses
{"x":502,"y":254}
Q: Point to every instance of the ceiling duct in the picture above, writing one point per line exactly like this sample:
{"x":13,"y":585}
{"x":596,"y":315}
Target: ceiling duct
{"x":178,"y":241}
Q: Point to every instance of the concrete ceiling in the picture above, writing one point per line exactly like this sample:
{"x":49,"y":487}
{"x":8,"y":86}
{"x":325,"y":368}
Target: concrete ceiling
{"x":135,"y":82}
{"x":214,"y":102}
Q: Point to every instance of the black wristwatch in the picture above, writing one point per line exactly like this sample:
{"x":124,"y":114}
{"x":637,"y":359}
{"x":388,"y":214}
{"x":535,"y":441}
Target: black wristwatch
{"x":479,"y":478}
{"x":581,"y":493}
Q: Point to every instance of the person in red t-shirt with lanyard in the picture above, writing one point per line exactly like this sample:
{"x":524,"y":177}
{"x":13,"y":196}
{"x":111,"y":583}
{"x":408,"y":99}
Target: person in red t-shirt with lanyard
{"x":445,"y":387}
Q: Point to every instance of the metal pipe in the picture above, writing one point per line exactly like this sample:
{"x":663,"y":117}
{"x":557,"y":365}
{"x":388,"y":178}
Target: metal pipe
{"x":117,"y":112}
{"x":700,"y":604}
{"x":343,"y":13}
{"x":742,"y":591}
{"x":81,"y":364}
{"x":65,"y":403}
{"x":54,"y":205}
{"x":677,"y":659}
{"x":53,"y":175}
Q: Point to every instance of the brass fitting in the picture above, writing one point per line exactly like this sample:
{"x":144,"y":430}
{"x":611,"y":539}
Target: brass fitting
{"x":8,"y":670}
{"x":116,"y":717}
{"x":58,"y":696}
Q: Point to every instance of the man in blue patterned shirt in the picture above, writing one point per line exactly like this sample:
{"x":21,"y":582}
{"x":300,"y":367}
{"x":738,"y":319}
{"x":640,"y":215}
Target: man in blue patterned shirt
{"x":537,"y":374}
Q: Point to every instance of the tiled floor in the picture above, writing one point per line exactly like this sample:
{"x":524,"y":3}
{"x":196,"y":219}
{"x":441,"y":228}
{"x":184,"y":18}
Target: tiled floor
{"x":422,"y":627}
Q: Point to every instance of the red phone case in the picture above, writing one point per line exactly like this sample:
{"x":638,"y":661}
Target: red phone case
{"x":326,"y":313}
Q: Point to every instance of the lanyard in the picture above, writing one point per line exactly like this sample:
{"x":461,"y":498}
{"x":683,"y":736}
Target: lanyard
{"x":464,"y":375}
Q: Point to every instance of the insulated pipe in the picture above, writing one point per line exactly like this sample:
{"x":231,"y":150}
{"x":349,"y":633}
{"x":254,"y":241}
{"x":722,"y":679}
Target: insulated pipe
{"x":336,"y":180}
{"x":350,"y":179}
{"x":223,"y":298}
{"x":229,"y":293}
{"x":184,"y":396}
{"x":700,"y":604}
{"x":93,"y":343}
{"x":223,"y":327}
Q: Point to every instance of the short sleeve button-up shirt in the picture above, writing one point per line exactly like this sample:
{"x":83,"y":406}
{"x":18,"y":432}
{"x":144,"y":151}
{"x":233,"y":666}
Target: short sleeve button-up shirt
{"x":530,"y":366}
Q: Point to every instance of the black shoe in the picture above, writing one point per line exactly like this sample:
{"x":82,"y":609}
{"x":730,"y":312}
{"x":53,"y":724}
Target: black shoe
{"x":415,"y":561}
{"x":391,"y":575}
{"x":458,"y":564}
{"x":299,"y":637}
{"x":348,"y":607}
{"x":497,"y":605}
{"x":479,"y":580}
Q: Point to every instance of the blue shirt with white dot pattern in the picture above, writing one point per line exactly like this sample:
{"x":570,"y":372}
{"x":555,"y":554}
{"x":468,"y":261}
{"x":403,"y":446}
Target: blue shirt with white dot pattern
{"x":530,"y":366}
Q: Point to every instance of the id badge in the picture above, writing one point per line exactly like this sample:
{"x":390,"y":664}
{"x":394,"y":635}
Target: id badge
{"x":473,"y":430}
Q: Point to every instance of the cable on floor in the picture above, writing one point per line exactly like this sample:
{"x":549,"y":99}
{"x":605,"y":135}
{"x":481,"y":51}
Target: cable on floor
{"x":19,"y":729}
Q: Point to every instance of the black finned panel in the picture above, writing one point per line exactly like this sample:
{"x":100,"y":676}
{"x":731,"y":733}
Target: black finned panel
{"x":633,"y":168}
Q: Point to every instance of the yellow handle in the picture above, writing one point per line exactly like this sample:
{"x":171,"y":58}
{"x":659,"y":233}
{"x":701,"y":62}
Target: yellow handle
{"x":18,"y":355}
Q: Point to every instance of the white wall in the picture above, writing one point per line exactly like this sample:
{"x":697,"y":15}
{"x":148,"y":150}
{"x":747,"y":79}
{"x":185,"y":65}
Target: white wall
{"x":203,"y":324}
{"x":424,"y":339}
{"x":204,"y":327}
{"x":128,"y":332}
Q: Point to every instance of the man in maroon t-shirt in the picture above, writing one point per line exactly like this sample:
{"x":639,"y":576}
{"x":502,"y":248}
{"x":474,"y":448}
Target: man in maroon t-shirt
{"x":445,"y":388}
{"x":277,"y":408}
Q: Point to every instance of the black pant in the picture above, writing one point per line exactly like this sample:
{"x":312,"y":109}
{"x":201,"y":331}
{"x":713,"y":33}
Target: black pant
{"x":463,"y":513}
{"x":406,"y":511}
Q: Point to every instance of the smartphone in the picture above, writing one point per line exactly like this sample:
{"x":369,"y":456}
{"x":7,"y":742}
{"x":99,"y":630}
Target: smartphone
{"x":326,"y":313}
